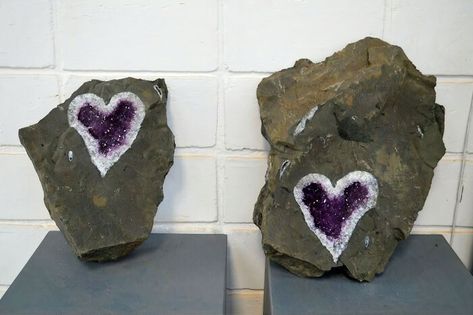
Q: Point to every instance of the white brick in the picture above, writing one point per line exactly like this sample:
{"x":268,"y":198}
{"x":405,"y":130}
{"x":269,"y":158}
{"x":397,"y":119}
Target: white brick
{"x":242,"y":119}
{"x":456,"y":98}
{"x":245,"y":268}
{"x":140,"y":35}
{"x":440,"y":204}
{"x":21,"y":195}
{"x":463,"y":246}
{"x":465,"y":206}
{"x":192,"y":106}
{"x":243,"y":181}
{"x":24,"y":100}
{"x":244,"y":302}
{"x":26,"y":34}
{"x":16,"y":248}
{"x":190,"y":191}
{"x":434,"y":34}
{"x":262,"y":36}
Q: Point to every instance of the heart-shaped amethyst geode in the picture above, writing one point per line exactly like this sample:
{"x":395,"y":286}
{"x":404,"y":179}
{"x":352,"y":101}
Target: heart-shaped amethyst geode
{"x":333,"y":212}
{"x":102,"y":157}
{"x":365,"y":108}
{"x":108,"y":130}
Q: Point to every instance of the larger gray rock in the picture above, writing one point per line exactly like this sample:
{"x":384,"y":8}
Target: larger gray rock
{"x":102,"y":167}
{"x":367,"y":118}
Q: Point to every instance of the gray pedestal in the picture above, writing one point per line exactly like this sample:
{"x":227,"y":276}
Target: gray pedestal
{"x":424,"y":276}
{"x":168,"y":274}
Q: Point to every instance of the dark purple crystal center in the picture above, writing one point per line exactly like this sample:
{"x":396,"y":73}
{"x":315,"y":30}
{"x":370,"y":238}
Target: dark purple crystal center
{"x":109,"y":129}
{"x":329,"y":213}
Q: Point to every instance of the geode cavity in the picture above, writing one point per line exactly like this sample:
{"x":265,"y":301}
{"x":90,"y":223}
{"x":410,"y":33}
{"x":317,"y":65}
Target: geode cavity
{"x":354,"y":141}
{"x":102,"y":157}
{"x":333,"y":212}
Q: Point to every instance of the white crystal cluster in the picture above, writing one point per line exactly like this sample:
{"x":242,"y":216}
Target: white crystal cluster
{"x":105,"y":162}
{"x":337,"y":246}
{"x":308,"y":116}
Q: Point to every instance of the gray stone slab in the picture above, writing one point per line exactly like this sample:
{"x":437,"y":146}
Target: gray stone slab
{"x":424,"y":276}
{"x":168,"y":274}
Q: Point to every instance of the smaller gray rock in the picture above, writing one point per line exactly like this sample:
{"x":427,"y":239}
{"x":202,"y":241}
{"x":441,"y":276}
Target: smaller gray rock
{"x":102,"y":157}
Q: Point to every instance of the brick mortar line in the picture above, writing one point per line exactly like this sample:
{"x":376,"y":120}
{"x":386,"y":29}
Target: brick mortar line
{"x":206,"y":152}
{"x":433,"y":227}
{"x":244,"y":291}
{"x":160,"y":227}
{"x":443,"y":78}
{"x":46,"y":224}
{"x":220,"y":157}
{"x":54,"y":71}
{"x":187,"y":152}
{"x":25,"y":224}
{"x":463,"y":230}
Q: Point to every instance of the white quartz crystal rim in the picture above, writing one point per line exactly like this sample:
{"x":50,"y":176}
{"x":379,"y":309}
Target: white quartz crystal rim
{"x":104,"y":163}
{"x":337,"y":246}
{"x":308,"y":116}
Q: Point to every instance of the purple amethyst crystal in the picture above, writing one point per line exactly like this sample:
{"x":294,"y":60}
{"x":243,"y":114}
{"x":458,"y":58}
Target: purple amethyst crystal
{"x":329,"y":213}
{"x":332,"y":213}
{"x":109,"y":130}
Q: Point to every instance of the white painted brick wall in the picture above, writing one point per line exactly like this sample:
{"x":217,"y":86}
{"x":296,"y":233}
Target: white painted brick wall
{"x":26,"y":34}
{"x":21,"y":193}
{"x":243,"y":180}
{"x":213,"y":53}
{"x":245,"y":267}
{"x":190,"y":194}
{"x":262,"y":36}
{"x":242,"y":120}
{"x":456,"y":97}
{"x":24,"y":99}
{"x":139,"y":35}
{"x":434,"y":34}
{"x":440,"y":204}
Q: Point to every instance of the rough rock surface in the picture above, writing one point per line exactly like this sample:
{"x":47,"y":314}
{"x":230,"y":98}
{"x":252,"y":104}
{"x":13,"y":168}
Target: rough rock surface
{"x":106,"y":207}
{"x":365,"y":108}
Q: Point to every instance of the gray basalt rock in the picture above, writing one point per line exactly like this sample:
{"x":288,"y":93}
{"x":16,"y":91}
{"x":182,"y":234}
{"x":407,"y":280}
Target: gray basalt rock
{"x":354,"y":142}
{"x":102,"y":157}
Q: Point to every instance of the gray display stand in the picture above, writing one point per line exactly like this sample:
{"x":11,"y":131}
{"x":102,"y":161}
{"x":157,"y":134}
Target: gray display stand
{"x":168,"y":274}
{"x":424,"y":276}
